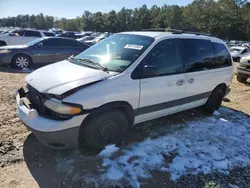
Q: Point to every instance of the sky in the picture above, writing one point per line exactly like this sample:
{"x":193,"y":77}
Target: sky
{"x":74,"y":8}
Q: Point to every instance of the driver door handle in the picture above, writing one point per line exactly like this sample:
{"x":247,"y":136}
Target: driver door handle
{"x":180,"y":82}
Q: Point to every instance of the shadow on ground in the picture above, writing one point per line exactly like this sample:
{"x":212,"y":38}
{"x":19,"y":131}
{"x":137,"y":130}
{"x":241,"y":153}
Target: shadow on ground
{"x":79,"y":168}
{"x":52,"y":168}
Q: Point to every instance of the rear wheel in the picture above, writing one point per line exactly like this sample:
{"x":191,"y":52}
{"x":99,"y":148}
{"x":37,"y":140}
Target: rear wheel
{"x":21,"y":61}
{"x":241,"y":79}
{"x":104,"y":129}
{"x":214,"y":101}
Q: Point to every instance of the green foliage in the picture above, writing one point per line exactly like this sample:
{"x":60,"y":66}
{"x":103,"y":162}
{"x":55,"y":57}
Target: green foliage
{"x":227,"y":19}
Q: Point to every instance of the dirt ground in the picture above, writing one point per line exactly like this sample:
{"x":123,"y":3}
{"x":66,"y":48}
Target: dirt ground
{"x":24,"y":162}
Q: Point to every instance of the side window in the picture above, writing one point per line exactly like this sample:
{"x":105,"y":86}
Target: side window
{"x":165,"y":58}
{"x":48,"y":34}
{"x":61,"y":42}
{"x":71,"y":43}
{"x":17,"y":33}
{"x":52,"y":42}
{"x":222,"y":56}
{"x":198,"y":54}
{"x":244,"y":51}
{"x":32,"y":34}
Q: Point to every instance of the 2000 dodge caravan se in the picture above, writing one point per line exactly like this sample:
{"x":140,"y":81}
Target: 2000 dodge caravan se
{"x":126,"y":79}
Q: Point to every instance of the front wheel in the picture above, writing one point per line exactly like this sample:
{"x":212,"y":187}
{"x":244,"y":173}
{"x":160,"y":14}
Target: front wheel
{"x":21,"y":61}
{"x":214,"y":101}
{"x":107,"y":128}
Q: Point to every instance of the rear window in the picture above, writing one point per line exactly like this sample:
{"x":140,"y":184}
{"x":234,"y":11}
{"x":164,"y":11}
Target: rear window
{"x":48,"y":34}
{"x":222,"y":56}
{"x":32,"y":34}
{"x":198,"y":54}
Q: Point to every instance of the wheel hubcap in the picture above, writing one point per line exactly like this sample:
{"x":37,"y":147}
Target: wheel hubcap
{"x":108,"y":130}
{"x":22,"y":62}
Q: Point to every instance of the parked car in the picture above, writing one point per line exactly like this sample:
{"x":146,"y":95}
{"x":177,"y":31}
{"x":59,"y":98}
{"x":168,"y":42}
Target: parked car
{"x":246,"y":44}
{"x":128,"y":78}
{"x":85,"y":38}
{"x":22,"y":36}
{"x":243,"y":69}
{"x":42,"y":50}
{"x":237,"y":52}
{"x":96,"y":39}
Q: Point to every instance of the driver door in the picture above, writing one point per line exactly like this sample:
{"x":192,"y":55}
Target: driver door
{"x":45,"y":51}
{"x":162,"y":94}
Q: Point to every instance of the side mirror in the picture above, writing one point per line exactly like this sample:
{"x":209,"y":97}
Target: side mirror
{"x":149,"y":70}
{"x":40,"y":45}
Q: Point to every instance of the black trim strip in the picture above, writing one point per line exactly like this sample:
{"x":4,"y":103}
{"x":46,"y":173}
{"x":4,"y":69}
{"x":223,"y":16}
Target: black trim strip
{"x":243,"y":69}
{"x":170,"y":104}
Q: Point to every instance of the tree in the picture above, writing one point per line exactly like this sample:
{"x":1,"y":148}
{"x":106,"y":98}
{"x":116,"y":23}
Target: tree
{"x":227,"y":19}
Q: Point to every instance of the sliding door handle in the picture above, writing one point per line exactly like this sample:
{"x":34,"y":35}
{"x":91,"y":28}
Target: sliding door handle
{"x":180,"y":82}
{"x":190,"y":80}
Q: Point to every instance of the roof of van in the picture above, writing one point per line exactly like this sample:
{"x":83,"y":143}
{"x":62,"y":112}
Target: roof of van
{"x":159,"y":34}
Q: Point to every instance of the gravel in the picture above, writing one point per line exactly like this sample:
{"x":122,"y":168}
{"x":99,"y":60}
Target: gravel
{"x":24,"y":162}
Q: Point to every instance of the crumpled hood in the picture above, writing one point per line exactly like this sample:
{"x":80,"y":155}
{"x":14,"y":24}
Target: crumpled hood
{"x":12,"y":47}
{"x":61,"y":77}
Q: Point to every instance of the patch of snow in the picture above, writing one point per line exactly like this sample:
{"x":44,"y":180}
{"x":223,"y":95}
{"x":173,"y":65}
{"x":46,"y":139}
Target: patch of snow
{"x":215,"y":143}
{"x":109,"y":150}
{"x":216,"y":113}
{"x":26,"y":70}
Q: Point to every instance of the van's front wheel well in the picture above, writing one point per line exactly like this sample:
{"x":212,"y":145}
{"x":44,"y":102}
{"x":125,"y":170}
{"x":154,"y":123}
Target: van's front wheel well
{"x":121,"y":106}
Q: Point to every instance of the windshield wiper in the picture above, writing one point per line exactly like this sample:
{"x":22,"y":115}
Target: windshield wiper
{"x":90,"y":62}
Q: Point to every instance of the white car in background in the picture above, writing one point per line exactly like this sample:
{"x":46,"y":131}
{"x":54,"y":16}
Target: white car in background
{"x":243,"y":69}
{"x":23,"y":36}
{"x":237,"y":52}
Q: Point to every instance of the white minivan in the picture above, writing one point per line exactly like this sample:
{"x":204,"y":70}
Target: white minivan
{"x":127,"y":78}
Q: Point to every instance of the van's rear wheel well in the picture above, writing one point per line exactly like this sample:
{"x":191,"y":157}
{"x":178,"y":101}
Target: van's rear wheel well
{"x":3,"y":43}
{"x":215,"y":99}
{"x":120,"y":106}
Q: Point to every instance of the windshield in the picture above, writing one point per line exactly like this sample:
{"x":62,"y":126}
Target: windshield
{"x":33,"y":42}
{"x":117,"y":52}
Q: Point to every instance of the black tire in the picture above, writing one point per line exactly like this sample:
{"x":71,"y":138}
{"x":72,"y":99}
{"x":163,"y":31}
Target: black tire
{"x":214,"y":100}
{"x":237,"y":59}
{"x":104,"y":129}
{"x":241,"y":79}
{"x":21,"y":61}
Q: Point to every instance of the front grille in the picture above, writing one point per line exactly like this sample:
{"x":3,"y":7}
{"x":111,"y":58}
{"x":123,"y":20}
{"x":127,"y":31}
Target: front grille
{"x":36,"y":98}
{"x":37,"y":102}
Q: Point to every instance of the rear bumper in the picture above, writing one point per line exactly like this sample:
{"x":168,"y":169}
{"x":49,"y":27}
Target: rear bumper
{"x":52,"y":133}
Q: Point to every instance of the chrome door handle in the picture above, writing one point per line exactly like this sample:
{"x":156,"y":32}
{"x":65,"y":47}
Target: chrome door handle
{"x":190,"y":80}
{"x":180,"y":82}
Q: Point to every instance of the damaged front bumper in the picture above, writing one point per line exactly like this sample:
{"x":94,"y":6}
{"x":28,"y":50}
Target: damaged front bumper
{"x":57,"y":134}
